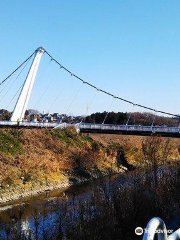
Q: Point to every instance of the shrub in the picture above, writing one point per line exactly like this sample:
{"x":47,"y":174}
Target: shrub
{"x":9,"y":145}
{"x":7,"y":181}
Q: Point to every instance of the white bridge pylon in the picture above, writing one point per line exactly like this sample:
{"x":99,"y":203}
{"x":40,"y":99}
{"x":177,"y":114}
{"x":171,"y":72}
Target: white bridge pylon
{"x":22,"y":102}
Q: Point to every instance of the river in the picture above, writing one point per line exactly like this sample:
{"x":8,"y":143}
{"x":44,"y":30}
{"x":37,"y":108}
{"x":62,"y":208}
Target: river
{"x":79,"y":208}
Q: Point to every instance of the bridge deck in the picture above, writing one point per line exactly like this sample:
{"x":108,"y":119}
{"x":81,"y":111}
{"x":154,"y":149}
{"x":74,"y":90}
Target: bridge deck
{"x":130,"y":129}
{"x":101,"y":128}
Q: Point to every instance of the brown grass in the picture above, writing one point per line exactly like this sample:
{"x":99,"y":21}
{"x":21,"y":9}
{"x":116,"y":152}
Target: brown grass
{"x":47,"y":156}
{"x":132,"y":145}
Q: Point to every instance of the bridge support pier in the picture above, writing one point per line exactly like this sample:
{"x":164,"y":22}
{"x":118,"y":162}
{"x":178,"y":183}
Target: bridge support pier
{"x":22,"y":102}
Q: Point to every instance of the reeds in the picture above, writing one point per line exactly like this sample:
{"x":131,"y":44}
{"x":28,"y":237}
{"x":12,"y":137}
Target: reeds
{"x":110,"y":211}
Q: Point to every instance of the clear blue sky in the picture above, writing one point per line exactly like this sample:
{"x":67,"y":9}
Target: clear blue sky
{"x":128,"y":47}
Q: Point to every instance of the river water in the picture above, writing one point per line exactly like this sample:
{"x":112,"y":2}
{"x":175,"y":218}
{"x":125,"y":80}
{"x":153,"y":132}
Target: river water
{"x":32,"y":218}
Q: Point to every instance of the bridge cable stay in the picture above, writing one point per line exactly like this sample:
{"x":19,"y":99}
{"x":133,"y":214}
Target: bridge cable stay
{"x":17,"y":69}
{"x":130,"y":114}
{"x":108,"y":111}
{"x":45,"y":90}
{"x":42,"y":95}
{"x":42,"y":73}
{"x":12,"y":84}
{"x":92,"y":100}
{"x":6,"y":84}
{"x":107,"y":93}
{"x":75,"y":96}
{"x":14,"y":95}
{"x":153,"y":119}
{"x":147,"y":115}
{"x":56,"y":98}
{"x":58,"y":95}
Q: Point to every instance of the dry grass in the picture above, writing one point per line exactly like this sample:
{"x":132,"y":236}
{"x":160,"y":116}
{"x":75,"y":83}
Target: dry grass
{"x":29,"y":156}
{"x":40,"y":155}
{"x":132,"y":146}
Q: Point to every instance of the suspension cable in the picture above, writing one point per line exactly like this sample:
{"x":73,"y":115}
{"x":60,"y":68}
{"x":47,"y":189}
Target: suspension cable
{"x":153,"y":119}
{"x":108,"y":93}
{"x":6,"y":83}
{"x":17,"y":68}
{"x":15,"y":95}
{"x":108,"y":110}
{"x":42,"y":73}
{"x":84,"y":118}
{"x":74,"y":97}
{"x":147,"y":115}
{"x":130,"y":114}
{"x":47,"y":87}
{"x":15,"y":80}
{"x":61,"y":90}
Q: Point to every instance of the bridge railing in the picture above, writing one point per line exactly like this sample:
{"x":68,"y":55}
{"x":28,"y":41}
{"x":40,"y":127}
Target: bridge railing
{"x":28,"y":124}
{"x":38,"y":124}
{"x":90,"y":126}
{"x":129,"y":128}
{"x":157,"y":226}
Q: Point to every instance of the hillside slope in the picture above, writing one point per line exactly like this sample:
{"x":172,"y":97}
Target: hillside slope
{"x":36,"y":160}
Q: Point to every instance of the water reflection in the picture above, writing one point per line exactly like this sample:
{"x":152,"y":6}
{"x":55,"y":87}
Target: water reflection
{"x":106,"y":208}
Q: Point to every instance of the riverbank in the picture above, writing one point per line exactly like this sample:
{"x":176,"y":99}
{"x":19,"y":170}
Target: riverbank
{"x":84,"y":211}
{"x":33,"y":161}
{"x":15,"y":193}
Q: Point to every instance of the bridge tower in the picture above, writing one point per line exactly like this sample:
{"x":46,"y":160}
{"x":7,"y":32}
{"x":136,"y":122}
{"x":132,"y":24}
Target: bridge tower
{"x":22,"y":102}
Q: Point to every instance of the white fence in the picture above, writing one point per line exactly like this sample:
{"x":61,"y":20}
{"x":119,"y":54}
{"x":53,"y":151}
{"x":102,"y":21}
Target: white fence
{"x":114,"y":127}
{"x":90,"y":126}
{"x":29,"y":124}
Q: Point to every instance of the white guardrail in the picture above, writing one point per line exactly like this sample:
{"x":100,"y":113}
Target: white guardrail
{"x":115,"y":127}
{"x":29,"y":124}
{"x":157,"y":226}
{"x":90,"y":126}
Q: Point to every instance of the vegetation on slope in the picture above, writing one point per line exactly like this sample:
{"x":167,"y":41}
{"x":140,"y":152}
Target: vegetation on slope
{"x":43,"y":158}
{"x":141,"y":150}
{"x":111,"y":209}
{"x":8,"y":144}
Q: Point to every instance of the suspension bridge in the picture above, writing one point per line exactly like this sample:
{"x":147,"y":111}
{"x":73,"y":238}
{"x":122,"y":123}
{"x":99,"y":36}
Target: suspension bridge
{"x":17,"y":118}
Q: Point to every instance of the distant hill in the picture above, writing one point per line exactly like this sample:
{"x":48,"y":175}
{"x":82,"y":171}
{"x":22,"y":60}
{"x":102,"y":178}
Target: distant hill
{"x":136,"y":118}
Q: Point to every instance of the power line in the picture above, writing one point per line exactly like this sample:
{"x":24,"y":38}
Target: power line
{"x":108,"y":93}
